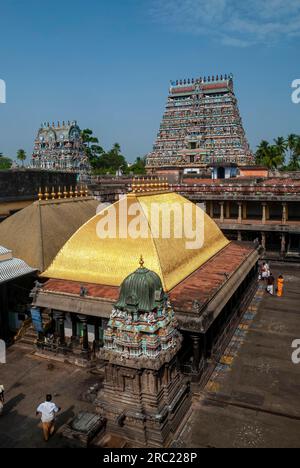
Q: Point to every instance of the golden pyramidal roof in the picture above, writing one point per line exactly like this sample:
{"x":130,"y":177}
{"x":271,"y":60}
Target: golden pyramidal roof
{"x":88,"y":258}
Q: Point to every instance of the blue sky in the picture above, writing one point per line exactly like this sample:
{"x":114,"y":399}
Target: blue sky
{"x":108,"y":64}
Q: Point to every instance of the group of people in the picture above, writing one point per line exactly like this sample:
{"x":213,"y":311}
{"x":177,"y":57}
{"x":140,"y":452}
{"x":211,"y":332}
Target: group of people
{"x":266,"y":275}
{"x":47,"y":411}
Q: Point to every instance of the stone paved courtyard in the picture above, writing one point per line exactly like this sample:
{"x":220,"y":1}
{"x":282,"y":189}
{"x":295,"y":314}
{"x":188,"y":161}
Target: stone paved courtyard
{"x":252,"y":400}
{"x":27,"y":380}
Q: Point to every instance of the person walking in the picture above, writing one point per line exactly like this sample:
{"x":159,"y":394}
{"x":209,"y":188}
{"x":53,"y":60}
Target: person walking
{"x":271,"y":284}
{"x":1,"y":399}
{"x":280,"y":286}
{"x":48,"y":411}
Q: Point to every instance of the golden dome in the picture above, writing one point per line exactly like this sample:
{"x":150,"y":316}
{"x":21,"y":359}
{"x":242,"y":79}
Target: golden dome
{"x":90,"y":259}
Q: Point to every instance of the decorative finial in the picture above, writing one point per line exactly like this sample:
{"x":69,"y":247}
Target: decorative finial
{"x":142,"y":263}
{"x":40,"y":194}
{"x":53,"y":194}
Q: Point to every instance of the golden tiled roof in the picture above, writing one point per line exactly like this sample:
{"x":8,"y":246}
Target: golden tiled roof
{"x":90,"y":259}
{"x":38,"y":232}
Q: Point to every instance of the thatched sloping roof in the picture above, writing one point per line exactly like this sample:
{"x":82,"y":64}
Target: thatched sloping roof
{"x":37,"y":233}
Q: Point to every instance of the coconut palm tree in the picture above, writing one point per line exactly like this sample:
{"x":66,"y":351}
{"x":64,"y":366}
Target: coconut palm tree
{"x":21,"y":156}
{"x":262,"y":151}
{"x":281,"y":144}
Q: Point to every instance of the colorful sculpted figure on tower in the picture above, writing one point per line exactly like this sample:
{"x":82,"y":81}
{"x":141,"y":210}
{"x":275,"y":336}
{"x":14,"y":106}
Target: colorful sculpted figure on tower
{"x":60,"y":147}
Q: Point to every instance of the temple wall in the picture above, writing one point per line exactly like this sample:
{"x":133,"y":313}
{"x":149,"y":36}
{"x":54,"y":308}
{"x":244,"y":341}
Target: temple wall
{"x":26,"y":183}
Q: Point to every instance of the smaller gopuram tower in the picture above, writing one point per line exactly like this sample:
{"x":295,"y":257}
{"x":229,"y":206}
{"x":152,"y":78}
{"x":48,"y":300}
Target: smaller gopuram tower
{"x":145,"y":396}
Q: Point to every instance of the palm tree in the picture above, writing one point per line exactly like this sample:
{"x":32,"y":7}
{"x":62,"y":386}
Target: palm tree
{"x":274,"y":158}
{"x":291,"y":141}
{"x":294,"y":164}
{"x":21,"y":156}
{"x":281,"y":144}
{"x":262,"y":151}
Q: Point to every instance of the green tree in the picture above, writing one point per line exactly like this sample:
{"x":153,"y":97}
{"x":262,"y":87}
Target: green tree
{"x":21,"y":156}
{"x":281,"y":144}
{"x":139,"y":167}
{"x":5,"y":163}
{"x":294,"y":149}
{"x":262,"y":151}
{"x":271,"y":156}
{"x":112,"y":161}
{"x":92,"y":148}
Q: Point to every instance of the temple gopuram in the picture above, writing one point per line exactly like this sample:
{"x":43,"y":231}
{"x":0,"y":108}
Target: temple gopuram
{"x":60,"y":147}
{"x":201,"y":128}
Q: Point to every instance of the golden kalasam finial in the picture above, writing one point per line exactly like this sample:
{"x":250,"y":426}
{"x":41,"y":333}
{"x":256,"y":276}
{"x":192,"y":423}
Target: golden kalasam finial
{"x":46,"y":194}
{"x":142,"y":263}
{"x":65,"y":192}
{"x":53,"y":194}
{"x":76,"y":191}
{"x":86,"y":191}
{"x":81,"y":191}
{"x":59,"y":194}
{"x":71,"y":192}
{"x":40,"y":195}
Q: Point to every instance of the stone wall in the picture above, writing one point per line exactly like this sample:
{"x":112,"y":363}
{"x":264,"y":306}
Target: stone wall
{"x":18,"y":184}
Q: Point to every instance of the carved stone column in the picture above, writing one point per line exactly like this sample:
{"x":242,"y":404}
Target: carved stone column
{"x":61,"y":327}
{"x":222,"y":212}
{"x":85,"y":338}
{"x":284,"y":213}
{"x":264,"y":213}
{"x":240,"y":216}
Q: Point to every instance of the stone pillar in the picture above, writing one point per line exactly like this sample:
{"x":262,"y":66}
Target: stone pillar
{"x":239,"y":236}
{"x":263,"y":240}
{"x":85,"y":339}
{"x":283,"y":245}
{"x":222,"y":212}
{"x":240,"y":217}
{"x":284,"y":213}
{"x":61,"y":325}
{"x":196,"y":351}
{"x":264,"y":213}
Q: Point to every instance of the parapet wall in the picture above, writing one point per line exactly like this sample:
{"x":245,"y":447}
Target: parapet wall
{"x":18,"y":184}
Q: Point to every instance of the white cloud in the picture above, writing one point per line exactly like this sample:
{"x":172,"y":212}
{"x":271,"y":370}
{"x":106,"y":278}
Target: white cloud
{"x":232,"y":22}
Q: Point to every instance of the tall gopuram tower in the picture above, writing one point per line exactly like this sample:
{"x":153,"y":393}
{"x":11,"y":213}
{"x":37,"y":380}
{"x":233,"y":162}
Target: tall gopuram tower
{"x":145,"y":396}
{"x":201,"y":127}
{"x":60,"y":147}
